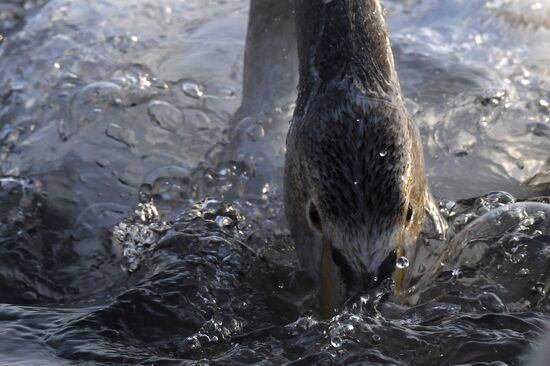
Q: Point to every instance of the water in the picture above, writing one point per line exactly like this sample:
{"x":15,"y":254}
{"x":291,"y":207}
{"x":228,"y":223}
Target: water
{"x":133,"y":232}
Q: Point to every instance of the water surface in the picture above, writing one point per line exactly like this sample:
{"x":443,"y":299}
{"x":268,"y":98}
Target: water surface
{"x":133,"y":230}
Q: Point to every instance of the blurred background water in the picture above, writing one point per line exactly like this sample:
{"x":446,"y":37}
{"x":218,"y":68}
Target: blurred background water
{"x":140,"y":212}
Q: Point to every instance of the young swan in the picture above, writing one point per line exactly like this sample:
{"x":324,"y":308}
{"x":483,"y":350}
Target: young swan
{"x":355,"y":186}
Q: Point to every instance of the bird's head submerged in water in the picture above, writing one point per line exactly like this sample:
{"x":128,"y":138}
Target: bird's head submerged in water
{"x":355,"y":185}
{"x":355,"y":191}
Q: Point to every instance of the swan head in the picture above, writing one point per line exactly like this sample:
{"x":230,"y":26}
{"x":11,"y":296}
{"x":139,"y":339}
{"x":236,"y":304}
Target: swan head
{"x":354,"y":190}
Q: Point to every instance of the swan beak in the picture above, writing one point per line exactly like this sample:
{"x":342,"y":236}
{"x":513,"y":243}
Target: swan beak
{"x":330,"y":281}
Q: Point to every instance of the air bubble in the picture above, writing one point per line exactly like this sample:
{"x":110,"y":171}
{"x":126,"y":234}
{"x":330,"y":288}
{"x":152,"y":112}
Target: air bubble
{"x":223,"y":221}
{"x":402,"y":262}
{"x":255,"y":132}
{"x":193,"y":90}
{"x":336,"y":342}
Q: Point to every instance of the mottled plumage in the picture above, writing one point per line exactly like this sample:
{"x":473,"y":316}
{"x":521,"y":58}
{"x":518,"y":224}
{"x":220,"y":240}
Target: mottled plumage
{"x":354,"y":156}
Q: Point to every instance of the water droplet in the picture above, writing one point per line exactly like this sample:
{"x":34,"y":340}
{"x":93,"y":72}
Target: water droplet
{"x":193,"y":90}
{"x":402,"y":262}
{"x":355,"y":183}
{"x":376,"y":338}
{"x":56,"y":65}
{"x":383,"y":153}
{"x":281,"y":285}
{"x":336,"y":342}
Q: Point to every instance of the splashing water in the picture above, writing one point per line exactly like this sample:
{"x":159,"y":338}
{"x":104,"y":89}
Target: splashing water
{"x":141,"y":218}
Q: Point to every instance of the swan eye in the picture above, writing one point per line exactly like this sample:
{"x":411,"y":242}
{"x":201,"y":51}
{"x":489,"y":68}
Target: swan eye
{"x":314,"y":217}
{"x":409,"y":216}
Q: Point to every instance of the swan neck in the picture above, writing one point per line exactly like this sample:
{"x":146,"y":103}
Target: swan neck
{"x":341,"y":39}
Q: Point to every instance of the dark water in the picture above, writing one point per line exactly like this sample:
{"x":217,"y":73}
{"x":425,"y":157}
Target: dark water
{"x":131,"y":232}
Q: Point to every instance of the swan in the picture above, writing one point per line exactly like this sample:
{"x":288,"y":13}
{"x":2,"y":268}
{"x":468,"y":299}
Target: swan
{"x":355,"y":188}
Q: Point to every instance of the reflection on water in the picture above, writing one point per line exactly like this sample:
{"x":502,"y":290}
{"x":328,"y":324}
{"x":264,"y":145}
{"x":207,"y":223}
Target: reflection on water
{"x":132,"y":231}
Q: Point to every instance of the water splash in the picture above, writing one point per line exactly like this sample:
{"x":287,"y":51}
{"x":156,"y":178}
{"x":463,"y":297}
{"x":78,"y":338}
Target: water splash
{"x":139,"y":233}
